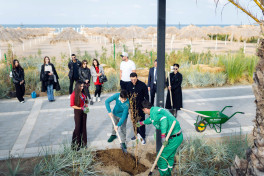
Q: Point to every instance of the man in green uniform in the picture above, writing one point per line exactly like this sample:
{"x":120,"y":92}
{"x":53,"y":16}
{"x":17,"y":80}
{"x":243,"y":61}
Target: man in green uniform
{"x":162,"y":119}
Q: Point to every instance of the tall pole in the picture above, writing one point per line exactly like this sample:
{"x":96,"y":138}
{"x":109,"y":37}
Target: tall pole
{"x":114,"y":51}
{"x":161,"y":62}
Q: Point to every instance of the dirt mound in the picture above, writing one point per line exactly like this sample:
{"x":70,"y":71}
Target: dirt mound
{"x":151,"y":157}
{"x":143,"y":72}
{"x":126,"y":162}
{"x":207,"y":68}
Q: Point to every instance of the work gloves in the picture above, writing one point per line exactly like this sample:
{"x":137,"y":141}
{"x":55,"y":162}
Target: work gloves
{"x":163,"y":140}
{"x":139,"y":124}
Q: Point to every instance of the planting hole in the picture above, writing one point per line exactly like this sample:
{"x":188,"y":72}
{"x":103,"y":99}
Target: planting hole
{"x":126,"y":162}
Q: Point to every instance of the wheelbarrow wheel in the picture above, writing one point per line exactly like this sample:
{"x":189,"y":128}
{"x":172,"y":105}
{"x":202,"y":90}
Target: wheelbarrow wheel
{"x":200,"y":127}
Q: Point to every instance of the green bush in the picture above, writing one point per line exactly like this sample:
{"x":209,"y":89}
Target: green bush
{"x":222,"y":37}
{"x":6,"y":83}
{"x":112,"y":85}
{"x":200,"y":156}
{"x":32,"y":80}
{"x":64,"y":83}
{"x":238,"y":65}
{"x":66,"y":162}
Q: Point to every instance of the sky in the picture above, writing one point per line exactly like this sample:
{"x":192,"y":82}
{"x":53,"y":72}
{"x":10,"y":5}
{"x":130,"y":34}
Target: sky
{"x":119,"y":12}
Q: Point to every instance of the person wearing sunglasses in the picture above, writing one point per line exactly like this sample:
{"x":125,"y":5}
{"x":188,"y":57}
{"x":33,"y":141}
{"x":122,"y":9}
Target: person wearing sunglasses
{"x":176,"y":90}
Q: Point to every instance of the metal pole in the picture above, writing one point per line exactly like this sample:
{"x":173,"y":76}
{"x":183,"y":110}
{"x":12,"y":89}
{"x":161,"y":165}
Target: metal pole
{"x":114,"y":51}
{"x":151,"y":58}
{"x":161,"y":62}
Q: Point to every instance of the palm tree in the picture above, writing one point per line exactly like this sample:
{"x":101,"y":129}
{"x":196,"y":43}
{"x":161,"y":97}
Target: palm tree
{"x":254,"y":163}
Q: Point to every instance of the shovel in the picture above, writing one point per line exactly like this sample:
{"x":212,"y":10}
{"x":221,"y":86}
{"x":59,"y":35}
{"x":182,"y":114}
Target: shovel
{"x":173,"y":111}
{"x":123,"y":149}
{"x":162,"y":148}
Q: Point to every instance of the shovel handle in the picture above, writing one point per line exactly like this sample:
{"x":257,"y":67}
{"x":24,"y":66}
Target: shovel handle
{"x":162,"y":148}
{"x":186,"y":110}
{"x":170,"y":90}
{"x":116,"y":130}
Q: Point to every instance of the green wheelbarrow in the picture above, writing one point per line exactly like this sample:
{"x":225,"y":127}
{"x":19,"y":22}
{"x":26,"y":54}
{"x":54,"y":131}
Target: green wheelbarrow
{"x":213,"y":119}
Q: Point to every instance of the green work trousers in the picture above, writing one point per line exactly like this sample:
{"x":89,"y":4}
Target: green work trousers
{"x":166,"y":160}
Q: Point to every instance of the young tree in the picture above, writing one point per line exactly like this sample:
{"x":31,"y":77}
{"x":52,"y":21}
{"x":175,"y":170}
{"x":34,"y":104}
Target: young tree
{"x":254,"y":163}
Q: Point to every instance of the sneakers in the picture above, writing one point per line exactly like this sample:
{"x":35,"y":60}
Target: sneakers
{"x":91,"y":102}
{"x":98,"y":99}
{"x":133,"y":138}
{"x":143,"y":141}
{"x":69,"y":96}
{"x":112,"y":137}
{"x":22,"y":101}
{"x":123,"y":145}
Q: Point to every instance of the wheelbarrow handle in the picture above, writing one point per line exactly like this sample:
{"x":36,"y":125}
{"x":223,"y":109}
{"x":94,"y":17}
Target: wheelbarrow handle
{"x":226,"y":107}
{"x":235,"y":114}
{"x":186,"y":110}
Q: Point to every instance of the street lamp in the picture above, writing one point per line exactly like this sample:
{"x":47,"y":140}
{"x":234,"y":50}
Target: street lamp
{"x":161,"y":25}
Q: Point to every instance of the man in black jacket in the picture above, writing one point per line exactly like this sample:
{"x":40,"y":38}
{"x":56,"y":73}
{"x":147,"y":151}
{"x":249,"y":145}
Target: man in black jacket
{"x":74,"y":66}
{"x":138,"y":92}
{"x":152,"y":82}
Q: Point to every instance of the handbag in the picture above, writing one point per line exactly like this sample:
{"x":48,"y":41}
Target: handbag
{"x":102,"y":78}
{"x":51,"y":78}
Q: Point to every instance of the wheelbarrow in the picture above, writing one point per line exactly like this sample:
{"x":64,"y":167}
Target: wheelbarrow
{"x":213,"y":119}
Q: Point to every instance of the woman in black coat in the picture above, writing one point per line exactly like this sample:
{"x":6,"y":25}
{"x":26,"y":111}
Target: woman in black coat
{"x":49,"y":78}
{"x":176,"y":90}
{"x":85,"y":77}
{"x":18,"y":80}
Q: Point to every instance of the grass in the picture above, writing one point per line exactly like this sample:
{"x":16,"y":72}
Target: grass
{"x":62,"y":162}
{"x":201,"y":156}
{"x":196,"y":156}
{"x":66,"y":162}
{"x":238,"y":66}
{"x":222,"y":37}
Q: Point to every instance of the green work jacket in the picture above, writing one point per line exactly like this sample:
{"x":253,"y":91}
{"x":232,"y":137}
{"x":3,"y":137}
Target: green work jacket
{"x":162,"y":119}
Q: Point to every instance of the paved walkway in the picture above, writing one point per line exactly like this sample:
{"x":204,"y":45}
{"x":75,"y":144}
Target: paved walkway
{"x":26,"y":129}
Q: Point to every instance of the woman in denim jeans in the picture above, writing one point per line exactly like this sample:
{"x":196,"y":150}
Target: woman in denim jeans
{"x":49,"y":78}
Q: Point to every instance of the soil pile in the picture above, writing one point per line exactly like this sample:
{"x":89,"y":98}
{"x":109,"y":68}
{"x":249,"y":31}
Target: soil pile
{"x":151,"y":157}
{"x":126,"y":162}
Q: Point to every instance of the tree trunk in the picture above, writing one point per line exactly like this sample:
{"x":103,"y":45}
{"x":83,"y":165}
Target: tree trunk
{"x":254,"y":163}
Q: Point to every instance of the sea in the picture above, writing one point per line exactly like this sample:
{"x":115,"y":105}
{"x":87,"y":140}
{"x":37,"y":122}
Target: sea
{"x":105,"y":25}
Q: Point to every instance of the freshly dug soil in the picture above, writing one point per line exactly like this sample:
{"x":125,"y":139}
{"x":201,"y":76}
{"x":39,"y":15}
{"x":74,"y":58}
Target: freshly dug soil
{"x":151,"y":157}
{"x":126,"y":162}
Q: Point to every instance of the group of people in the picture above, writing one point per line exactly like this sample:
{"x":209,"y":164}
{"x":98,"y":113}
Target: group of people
{"x":134,"y":96}
{"x":78,"y":71}
{"x":133,"y":99}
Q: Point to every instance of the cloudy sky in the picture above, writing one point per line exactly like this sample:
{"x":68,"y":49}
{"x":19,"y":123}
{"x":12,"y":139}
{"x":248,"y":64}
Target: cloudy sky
{"x":118,"y":12}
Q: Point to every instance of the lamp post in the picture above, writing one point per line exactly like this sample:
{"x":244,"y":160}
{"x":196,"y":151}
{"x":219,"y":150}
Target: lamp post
{"x":161,"y":23}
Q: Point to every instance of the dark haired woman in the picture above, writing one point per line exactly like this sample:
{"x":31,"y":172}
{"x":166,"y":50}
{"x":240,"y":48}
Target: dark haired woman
{"x":176,"y":90}
{"x":49,"y":78}
{"x":78,"y":102}
{"x":119,"y":114}
{"x":18,"y":80}
{"x":97,"y":70}
{"x":85,"y":77}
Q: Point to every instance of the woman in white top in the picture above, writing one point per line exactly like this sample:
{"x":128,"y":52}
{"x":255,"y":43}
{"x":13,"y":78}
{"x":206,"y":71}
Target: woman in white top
{"x":49,"y":78}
